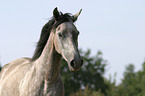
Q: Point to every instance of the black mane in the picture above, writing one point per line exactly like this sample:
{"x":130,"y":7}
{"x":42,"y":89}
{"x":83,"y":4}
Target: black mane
{"x":52,"y":24}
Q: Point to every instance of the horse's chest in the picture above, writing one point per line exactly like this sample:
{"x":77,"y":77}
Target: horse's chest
{"x":55,"y":89}
{"x":47,"y":89}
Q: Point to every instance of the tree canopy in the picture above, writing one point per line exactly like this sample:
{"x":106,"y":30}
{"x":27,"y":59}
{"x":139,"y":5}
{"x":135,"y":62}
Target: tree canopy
{"x":89,"y":81}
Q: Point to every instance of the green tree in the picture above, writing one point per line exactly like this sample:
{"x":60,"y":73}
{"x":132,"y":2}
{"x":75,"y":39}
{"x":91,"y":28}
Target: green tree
{"x":91,"y":74}
{"x":112,"y":90}
{"x":87,"y":92}
{"x":133,"y":83}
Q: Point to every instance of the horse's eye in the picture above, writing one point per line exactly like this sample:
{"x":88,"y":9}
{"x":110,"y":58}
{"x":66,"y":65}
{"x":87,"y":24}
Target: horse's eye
{"x":60,"y":35}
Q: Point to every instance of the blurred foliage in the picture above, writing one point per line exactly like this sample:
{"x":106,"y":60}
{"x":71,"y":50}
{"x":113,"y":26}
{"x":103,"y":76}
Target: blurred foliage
{"x":133,"y":83}
{"x":87,"y":92}
{"x":89,"y":81}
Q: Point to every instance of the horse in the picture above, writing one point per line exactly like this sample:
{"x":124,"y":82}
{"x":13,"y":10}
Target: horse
{"x":40,"y":75}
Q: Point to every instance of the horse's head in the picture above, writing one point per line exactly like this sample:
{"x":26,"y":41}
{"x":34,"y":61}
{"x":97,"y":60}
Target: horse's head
{"x":66,"y":41}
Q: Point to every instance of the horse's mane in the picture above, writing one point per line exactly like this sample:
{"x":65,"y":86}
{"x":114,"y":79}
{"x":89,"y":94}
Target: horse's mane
{"x":46,"y":30}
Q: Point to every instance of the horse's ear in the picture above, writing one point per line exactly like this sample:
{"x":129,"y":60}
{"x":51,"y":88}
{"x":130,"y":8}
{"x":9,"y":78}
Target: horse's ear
{"x":75,"y":17}
{"x":56,"y":14}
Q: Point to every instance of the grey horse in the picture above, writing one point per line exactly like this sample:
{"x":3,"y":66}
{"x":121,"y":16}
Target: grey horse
{"x":40,"y":75}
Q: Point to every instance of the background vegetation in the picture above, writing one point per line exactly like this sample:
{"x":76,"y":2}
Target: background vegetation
{"x":89,"y":81}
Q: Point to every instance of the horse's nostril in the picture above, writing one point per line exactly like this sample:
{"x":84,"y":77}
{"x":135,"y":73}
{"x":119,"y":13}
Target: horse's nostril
{"x":72,"y":63}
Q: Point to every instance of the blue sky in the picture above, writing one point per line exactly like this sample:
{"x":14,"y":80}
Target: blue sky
{"x":116,"y":27}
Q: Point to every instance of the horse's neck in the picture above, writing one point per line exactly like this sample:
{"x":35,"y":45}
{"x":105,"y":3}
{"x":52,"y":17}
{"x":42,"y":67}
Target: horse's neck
{"x":48,"y":64}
